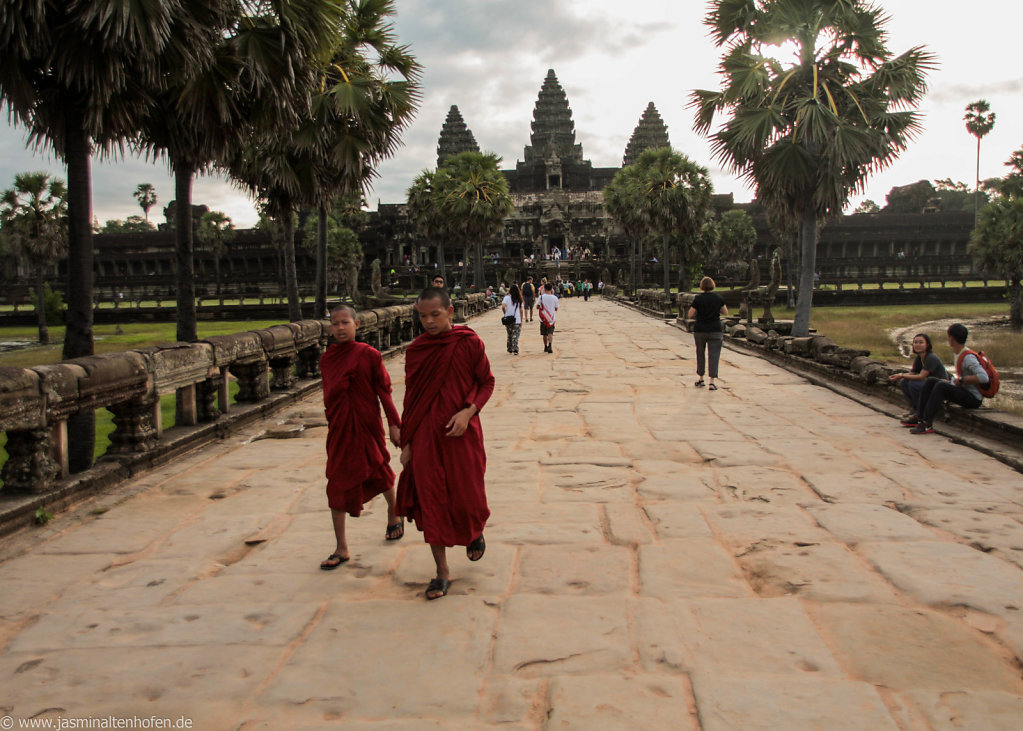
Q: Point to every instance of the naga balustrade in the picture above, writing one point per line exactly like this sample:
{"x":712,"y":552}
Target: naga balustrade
{"x":35,"y":403}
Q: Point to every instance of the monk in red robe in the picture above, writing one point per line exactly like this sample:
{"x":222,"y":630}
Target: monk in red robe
{"x":447,"y":382}
{"x":358,"y":464}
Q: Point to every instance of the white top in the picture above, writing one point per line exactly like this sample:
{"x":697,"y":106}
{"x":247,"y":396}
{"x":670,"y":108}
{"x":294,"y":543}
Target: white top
{"x":550,"y":303}
{"x":512,"y":309}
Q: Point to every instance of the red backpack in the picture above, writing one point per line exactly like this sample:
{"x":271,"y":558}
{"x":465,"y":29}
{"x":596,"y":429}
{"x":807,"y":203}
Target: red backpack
{"x":989,"y":389}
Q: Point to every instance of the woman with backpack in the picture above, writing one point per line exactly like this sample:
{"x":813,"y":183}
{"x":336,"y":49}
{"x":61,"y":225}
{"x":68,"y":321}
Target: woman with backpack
{"x":511,"y":306}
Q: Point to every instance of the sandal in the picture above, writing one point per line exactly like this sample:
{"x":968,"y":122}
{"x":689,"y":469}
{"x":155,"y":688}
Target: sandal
{"x":397,"y":531}
{"x":479,"y":546}
{"x":712,"y":387}
{"x":700,"y":383}
{"x":437,"y":585}
{"x":333,"y":561}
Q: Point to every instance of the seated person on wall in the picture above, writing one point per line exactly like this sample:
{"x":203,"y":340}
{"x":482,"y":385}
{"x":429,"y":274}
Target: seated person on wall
{"x":962,"y":390}
{"x":926,"y":364}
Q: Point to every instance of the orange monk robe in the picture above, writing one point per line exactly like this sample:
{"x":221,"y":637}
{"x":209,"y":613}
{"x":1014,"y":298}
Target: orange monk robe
{"x":441,"y":488}
{"x":358,"y":464}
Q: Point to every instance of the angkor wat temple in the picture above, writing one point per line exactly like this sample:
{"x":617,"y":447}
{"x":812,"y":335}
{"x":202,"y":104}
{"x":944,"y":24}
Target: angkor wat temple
{"x":558,"y":197}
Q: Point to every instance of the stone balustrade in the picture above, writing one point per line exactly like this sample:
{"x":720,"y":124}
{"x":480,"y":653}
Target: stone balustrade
{"x":35,"y":403}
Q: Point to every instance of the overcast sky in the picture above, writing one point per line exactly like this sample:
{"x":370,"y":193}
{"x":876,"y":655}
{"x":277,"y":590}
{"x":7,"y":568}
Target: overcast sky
{"x":490,"y":58}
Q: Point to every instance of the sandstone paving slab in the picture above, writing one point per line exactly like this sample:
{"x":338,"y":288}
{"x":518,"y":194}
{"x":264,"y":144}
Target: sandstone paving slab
{"x":354,"y":661}
{"x":968,"y":710}
{"x":948,"y":492}
{"x":836,"y":485}
{"x":820,"y":572}
{"x":620,"y":702}
{"x":559,"y":635}
{"x":854,"y":523}
{"x":749,"y":702}
{"x":677,"y":520}
{"x":75,"y":627}
{"x":221,"y":537}
{"x":513,"y":702}
{"x":910,"y":649}
{"x":733,"y":453}
{"x":30,"y":582}
{"x":741,"y":525}
{"x":543,"y":523}
{"x":690,"y":484}
{"x":984,"y":530}
{"x":208,"y":685}
{"x":689,"y":567}
{"x":744,"y":635}
{"x":946,"y":574}
{"x":586,"y":483}
{"x":627,"y":525}
{"x":591,"y":453}
{"x":558,"y":425}
{"x":765,"y":484}
{"x":570,"y":570}
{"x":679,"y":452}
{"x":488,"y":578}
{"x":109,"y":534}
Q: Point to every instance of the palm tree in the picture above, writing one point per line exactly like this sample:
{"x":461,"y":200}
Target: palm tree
{"x":996,"y":244}
{"x":424,"y":211}
{"x":76,"y":76}
{"x":216,"y":231}
{"x":476,"y":201}
{"x":622,"y":199}
{"x":979,"y":121}
{"x":675,"y":201}
{"x":808,"y":133}
{"x":33,"y":224}
{"x":145,"y":194}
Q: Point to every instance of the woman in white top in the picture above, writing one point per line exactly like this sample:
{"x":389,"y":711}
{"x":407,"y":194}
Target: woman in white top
{"x":511,"y":306}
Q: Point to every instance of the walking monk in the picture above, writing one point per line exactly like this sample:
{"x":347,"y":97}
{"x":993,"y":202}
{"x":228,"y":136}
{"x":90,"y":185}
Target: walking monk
{"x":358,"y":469}
{"x":447,"y":382}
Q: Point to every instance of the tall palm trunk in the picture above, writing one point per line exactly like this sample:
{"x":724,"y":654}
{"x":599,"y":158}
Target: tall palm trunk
{"x":320,"y":308}
{"x":184,"y":247}
{"x":632,"y":267}
{"x":44,"y":333}
{"x":1015,"y":305}
{"x":442,"y":260}
{"x":290,"y":273}
{"x":78,"y":334}
{"x":790,"y":278}
{"x":478,"y":275}
{"x":216,"y":271}
{"x":666,"y":262}
{"x":808,"y":262}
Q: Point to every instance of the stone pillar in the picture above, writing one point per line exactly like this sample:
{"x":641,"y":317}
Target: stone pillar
{"x":187,"y":413}
{"x":30,"y":465}
{"x":283,"y":373}
{"x":135,"y":425}
{"x":206,"y":398}
{"x":309,"y":362}
{"x":253,"y":381}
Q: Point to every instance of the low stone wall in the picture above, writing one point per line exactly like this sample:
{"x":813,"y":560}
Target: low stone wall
{"x":35,"y":403}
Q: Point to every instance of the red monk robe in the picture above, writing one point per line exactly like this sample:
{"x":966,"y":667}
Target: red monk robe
{"x":358,"y":464}
{"x":441,"y":488}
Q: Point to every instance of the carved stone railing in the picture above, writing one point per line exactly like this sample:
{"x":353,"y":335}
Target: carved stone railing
{"x":35,"y":403}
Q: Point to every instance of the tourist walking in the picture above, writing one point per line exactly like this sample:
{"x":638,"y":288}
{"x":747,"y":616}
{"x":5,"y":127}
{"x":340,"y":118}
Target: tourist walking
{"x":441,"y":488}
{"x":925,"y":365}
{"x":963,"y":390}
{"x":358,"y":464}
{"x":547,"y":311}
{"x":511,"y":306}
{"x":528,"y":296}
{"x":707,"y":309}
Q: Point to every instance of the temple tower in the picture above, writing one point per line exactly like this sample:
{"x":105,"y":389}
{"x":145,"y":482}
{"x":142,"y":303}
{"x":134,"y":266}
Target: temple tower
{"x":650,"y":134}
{"x":455,"y":137}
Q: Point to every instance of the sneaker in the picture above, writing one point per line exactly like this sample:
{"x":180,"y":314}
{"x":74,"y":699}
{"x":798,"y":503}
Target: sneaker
{"x":910,"y":420}
{"x":922,"y":428}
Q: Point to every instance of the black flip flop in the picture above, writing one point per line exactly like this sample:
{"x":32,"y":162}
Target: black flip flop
{"x":330,"y":567}
{"x":478,"y":545}
{"x":399,"y":527}
{"x":438,"y":584}
{"x":712,"y":387}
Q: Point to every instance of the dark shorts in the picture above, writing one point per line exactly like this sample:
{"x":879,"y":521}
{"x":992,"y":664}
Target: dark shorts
{"x":528,"y":302}
{"x":546,"y":329}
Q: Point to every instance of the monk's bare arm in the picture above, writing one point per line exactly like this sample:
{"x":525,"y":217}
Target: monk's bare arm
{"x":458,"y":423}
{"x":382,"y":385}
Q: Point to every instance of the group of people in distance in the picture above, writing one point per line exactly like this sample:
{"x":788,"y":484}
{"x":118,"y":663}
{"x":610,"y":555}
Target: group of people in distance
{"x":927,"y":385}
{"x":441,"y":489}
{"x":517,"y":308}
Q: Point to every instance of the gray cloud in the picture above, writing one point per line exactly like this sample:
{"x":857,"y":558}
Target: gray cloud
{"x":966,"y":93}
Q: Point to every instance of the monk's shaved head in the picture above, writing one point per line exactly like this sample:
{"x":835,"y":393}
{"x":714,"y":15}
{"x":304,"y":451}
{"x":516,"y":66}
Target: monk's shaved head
{"x":435,"y":293}
{"x":345,"y":308}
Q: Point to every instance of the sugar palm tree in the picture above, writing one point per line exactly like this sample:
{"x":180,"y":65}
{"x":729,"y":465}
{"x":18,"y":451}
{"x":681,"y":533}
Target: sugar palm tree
{"x":76,"y":75}
{"x":623,"y":201}
{"x":424,"y":211}
{"x":476,"y":201}
{"x":145,"y":194}
{"x":33,"y":224}
{"x":675,"y":201}
{"x":215,"y":232}
{"x":808,"y":132}
{"x":979,"y":121}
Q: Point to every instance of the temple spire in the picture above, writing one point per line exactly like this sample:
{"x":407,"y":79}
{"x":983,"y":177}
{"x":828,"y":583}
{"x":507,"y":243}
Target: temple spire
{"x":455,"y":137}
{"x":650,"y":134}
{"x":553,"y":131}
